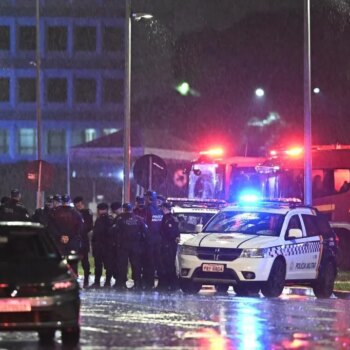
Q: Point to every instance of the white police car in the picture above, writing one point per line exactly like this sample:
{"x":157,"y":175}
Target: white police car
{"x":261,"y":247}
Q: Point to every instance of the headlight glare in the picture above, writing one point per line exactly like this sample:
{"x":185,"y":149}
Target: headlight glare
{"x":253,"y":253}
{"x":188,"y":250}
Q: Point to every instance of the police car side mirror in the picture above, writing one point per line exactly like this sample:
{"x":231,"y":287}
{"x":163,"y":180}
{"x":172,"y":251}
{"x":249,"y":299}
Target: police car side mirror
{"x":295,"y":233}
{"x":199,"y":228}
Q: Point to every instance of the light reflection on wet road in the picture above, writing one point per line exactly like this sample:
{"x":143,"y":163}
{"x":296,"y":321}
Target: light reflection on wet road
{"x":124,"y":320}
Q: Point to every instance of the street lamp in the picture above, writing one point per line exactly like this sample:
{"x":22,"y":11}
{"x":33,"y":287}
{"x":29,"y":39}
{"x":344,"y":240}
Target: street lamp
{"x":259,"y":92}
{"x":127,"y":94}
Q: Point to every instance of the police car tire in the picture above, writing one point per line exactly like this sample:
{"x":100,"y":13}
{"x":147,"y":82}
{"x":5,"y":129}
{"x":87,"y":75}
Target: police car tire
{"x":190,"y":287}
{"x":244,"y":291}
{"x":221,"y":288}
{"x":323,"y":288}
{"x":274,"y":286}
{"x":71,"y":336}
{"x":46,"y":336}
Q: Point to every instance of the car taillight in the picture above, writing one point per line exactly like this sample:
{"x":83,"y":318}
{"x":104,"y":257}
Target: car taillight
{"x":59,"y":285}
{"x":3,"y":285}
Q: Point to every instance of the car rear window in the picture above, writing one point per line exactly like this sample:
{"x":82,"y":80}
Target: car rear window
{"x":22,"y":245}
{"x":317,"y":225}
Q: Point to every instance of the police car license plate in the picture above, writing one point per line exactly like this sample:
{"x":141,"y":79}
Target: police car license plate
{"x":213,"y":268}
{"x":15,"y":305}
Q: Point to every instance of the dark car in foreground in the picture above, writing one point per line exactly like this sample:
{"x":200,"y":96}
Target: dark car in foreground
{"x":38,"y":289}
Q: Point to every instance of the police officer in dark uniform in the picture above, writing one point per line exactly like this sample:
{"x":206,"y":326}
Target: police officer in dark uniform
{"x":13,"y":209}
{"x":41,"y":215}
{"x":101,"y":245}
{"x":170,"y":235}
{"x":154,"y":217}
{"x":66,"y":225}
{"x":130,"y":232}
{"x":56,"y":201}
{"x":85,"y":240}
{"x":116,"y":209}
{"x":139,"y":208}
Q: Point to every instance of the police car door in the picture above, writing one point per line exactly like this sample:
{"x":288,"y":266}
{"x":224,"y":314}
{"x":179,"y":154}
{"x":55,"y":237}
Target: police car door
{"x":315,"y":246}
{"x":302,"y":253}
{"x":294,"y":247}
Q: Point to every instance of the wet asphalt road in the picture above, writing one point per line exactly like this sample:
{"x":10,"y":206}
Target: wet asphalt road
{"x":140,"y":320}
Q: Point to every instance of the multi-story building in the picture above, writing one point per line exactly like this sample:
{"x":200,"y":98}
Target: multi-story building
{"x":82,"y":71}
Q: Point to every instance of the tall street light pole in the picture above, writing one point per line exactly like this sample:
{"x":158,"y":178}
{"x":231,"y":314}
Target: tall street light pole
{"x":38,"y":106}
{"x":127,"y":103}
{"x":307,"y":107}
{"x":127,"y":95}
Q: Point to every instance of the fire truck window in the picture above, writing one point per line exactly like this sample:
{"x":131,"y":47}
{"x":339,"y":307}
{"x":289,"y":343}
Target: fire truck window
{"x":317,"y":186}
{"x":342,"y":180}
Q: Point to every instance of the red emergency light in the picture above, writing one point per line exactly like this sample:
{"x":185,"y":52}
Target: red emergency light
{"x":292,"y":152}
{"x":295,"y":151}
{"x":213,"y":152}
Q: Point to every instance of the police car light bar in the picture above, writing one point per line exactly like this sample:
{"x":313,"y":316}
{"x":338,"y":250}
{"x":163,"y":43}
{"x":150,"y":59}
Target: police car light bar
{"x":197,"y":202}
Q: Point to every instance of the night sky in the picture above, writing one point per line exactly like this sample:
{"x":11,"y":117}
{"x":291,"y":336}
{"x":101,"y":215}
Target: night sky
{"x":225,"y":50}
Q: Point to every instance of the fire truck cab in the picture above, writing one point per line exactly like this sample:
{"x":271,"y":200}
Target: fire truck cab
{"x":213,"y":176}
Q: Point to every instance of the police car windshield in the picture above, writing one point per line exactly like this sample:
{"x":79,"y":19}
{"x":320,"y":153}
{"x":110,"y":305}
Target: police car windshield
{"x":188,"y":221}
{"x":253,"y":223}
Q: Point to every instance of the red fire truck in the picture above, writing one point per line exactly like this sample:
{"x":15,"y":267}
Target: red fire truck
{"x":280,"y":175}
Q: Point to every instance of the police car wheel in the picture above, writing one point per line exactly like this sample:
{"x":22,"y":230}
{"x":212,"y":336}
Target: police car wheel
{"x":190,"y":287}
{"x":323,"y":288}
{"x":221,"y":288}
{"x":245,"y":290}
{"x":274,"y":286}
{"x":46,"y":336}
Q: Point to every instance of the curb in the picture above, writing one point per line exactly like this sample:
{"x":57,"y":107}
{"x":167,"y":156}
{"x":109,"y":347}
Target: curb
{"x":341,"y":294}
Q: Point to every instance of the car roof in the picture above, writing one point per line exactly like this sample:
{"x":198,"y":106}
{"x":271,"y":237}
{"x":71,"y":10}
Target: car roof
{"x":27,"y":224}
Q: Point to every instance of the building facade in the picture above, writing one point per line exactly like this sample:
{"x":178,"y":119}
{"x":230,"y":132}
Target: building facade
{"x":81,"y":80}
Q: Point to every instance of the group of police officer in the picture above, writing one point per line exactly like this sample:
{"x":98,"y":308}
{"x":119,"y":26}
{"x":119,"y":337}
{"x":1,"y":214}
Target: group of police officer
{"x":146,"y":236}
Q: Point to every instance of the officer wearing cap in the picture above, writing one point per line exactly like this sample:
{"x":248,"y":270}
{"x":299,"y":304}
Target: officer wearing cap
{"x":116,"y":209}
{"x":129,"y":233}
{"x":42,"y":215}
{"x":66,"y":225}
{"x":56,"y":201}
{"x":153,"y":239}
{"x":101,"y":246}
{"x":170,"y":235}
{"x":13,"y":209}
{"x":85,"y":240}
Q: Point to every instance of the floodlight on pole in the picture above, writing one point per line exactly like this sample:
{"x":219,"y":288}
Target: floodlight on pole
{"x":127,"y":95}
{"x":38,"y":106}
